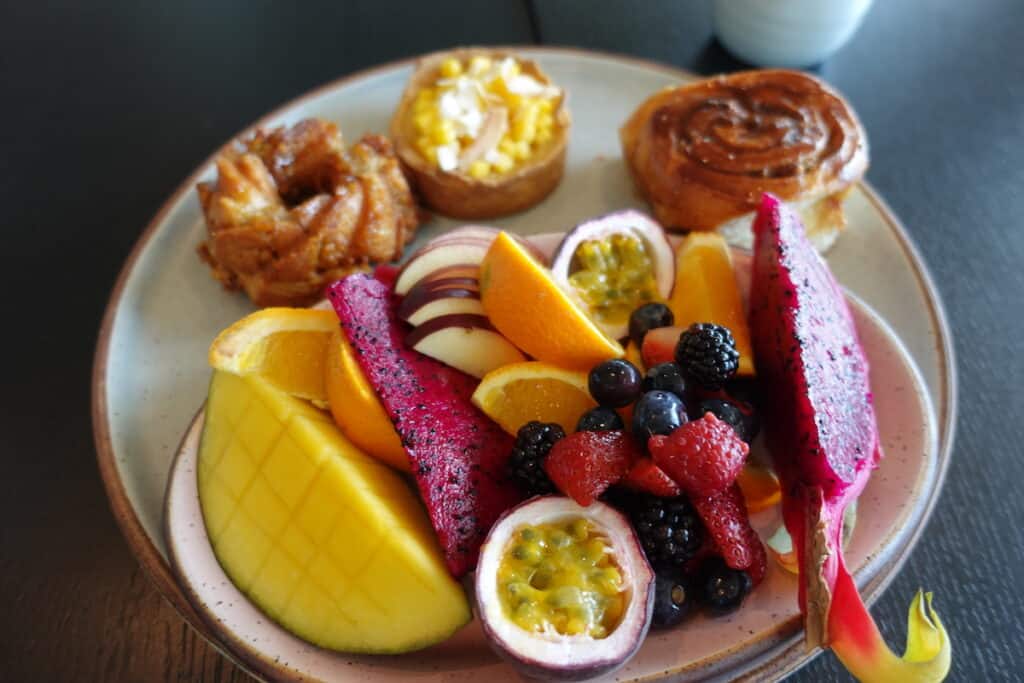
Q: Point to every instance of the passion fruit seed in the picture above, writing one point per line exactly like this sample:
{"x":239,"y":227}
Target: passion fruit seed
{"x":613,"y":276}
{"x":562,"y":577}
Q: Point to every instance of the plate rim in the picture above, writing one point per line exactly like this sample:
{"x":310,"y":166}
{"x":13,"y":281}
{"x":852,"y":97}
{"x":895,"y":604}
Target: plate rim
{"x":157,"y":569}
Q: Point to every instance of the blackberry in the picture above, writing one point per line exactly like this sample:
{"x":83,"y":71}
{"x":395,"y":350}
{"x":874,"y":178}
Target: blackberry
{"x":707,"y":353}
{"x":533,"y":441}
{"x":668,"y":528}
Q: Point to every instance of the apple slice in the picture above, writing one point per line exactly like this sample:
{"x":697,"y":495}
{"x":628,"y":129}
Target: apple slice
{"x":423,"y":303}
{"x":435,"y":257}
{"x":466,"y":342}
{"x":462,"y":246}
{"x":448,"y":305}
{"x":458,"y":270}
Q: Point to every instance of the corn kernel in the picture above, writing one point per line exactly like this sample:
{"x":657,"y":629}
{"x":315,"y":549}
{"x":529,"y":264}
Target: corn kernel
{"x":424,"y":98}
{"x":503,"y":163}
{"x":545,"y":106}
{"x":423,"y":143}
{"x":522,"y":151}
{"x":545,"y":120}
{"x":451,"y":67}
{"x":524,"y":127}
{"x":479,"y":169}
{"x":479,"y":64}
{"x":507,"y":146}
{"x":424,"y":121}
{"x":443,"y":133}
{"x":543,"y":136}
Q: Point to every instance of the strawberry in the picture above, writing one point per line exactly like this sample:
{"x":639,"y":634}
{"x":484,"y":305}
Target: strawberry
{"x":725,"y":518}
{"x":660,"y":345}
{"x":703,"y":456}
{"x":583,"y":465}
{"x":647,"y":477}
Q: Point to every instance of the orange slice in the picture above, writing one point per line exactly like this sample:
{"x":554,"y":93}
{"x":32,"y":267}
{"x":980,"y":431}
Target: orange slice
{"x":515,"y":394}
{"x":706,"y":291}
{"x":760,"y":487}
{"x":531,"y":311}
{"x":356,"y":408}
{"x":285,"y":346}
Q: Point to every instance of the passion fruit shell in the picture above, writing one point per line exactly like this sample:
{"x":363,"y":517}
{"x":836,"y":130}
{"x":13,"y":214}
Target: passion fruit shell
{"x":550,"y":655}
{"x":456,"y":194}
{"x":628,"y":222}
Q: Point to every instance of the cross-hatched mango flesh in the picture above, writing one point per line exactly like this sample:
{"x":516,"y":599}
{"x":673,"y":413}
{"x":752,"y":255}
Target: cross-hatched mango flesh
{"x":329,"y":542}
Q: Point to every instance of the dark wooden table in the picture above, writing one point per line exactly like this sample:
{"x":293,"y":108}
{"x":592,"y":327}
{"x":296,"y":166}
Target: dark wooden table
{"x":105,"y":108}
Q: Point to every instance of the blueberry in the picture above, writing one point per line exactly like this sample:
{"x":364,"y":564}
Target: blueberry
{"x":648,"y":317}
{"x":657,"y":412}
{"x":723,"y":589}
{"x":666,"y":377}
{"x":614,"y":383}
{"x":673,"y":597}
{"x":726,"y":412}
{"x":599,"y":420}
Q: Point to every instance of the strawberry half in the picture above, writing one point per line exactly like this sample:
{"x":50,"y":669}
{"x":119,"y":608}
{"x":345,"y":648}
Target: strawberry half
{"x":583,"y":465}
{"x":646,"y":477}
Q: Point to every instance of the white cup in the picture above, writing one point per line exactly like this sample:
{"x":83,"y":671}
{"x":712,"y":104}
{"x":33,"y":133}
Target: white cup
{"x":787,"y":33}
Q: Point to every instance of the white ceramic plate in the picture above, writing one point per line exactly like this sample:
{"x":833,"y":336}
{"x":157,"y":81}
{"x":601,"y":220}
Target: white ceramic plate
{"x":150,"y":371}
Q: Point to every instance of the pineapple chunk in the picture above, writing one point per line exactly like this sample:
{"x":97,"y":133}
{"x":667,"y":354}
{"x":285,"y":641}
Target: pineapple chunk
{"x":329,"y":542}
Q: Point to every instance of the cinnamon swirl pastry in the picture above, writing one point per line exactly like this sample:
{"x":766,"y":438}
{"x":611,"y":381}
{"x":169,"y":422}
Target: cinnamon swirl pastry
{"x":703,"y":153}
{"x":291,"y":211}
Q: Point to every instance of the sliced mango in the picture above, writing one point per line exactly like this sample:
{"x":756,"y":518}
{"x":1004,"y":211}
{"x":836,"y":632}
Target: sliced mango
{"x":705,"y":291}
{"x":327,"y":541}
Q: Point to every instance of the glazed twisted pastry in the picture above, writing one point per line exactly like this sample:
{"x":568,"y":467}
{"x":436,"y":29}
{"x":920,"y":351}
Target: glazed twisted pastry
{"x":702,"y":154}
{"x":292,"y":210}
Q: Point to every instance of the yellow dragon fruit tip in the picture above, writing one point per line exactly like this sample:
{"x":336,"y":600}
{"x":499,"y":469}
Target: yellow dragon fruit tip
{"x":927,"y":659}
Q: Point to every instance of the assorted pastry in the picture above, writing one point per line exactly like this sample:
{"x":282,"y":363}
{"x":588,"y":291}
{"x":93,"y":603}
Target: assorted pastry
{"x":703,"y":153}
{"x":565,"y":441}
{"x":292,"y":210}
{"x":482,"y":132}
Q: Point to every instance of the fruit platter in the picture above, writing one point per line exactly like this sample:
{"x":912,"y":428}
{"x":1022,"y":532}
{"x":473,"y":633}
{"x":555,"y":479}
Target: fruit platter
{"x":507,"y":390}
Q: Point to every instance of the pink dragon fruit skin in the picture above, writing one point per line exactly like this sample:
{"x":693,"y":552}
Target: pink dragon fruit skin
{"x":809,"y":355}
{"x":819,"y":421}
{"x":458,"y":454}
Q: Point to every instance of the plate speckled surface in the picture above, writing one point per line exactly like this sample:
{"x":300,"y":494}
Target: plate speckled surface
{"x":150,"y":369}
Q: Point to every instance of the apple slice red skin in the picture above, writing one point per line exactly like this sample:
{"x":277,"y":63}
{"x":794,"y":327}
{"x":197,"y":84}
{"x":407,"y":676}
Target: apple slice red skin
{"x":505,"y":352}
{"x":414,"y":271}
{"x":420,"y":297}
{"x":470,"y":236}
{"x":446,"y":306}
{"x":466,"y":320}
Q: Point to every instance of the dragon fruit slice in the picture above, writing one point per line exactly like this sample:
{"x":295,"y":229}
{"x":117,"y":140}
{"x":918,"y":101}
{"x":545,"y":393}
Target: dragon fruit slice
{"x":824,"y":441}
{"x":458,"y":454}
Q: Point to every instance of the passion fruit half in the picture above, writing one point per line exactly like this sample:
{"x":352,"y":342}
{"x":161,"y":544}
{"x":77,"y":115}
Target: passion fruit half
{"x":564,"y":592}
{"x":614,"y":264}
